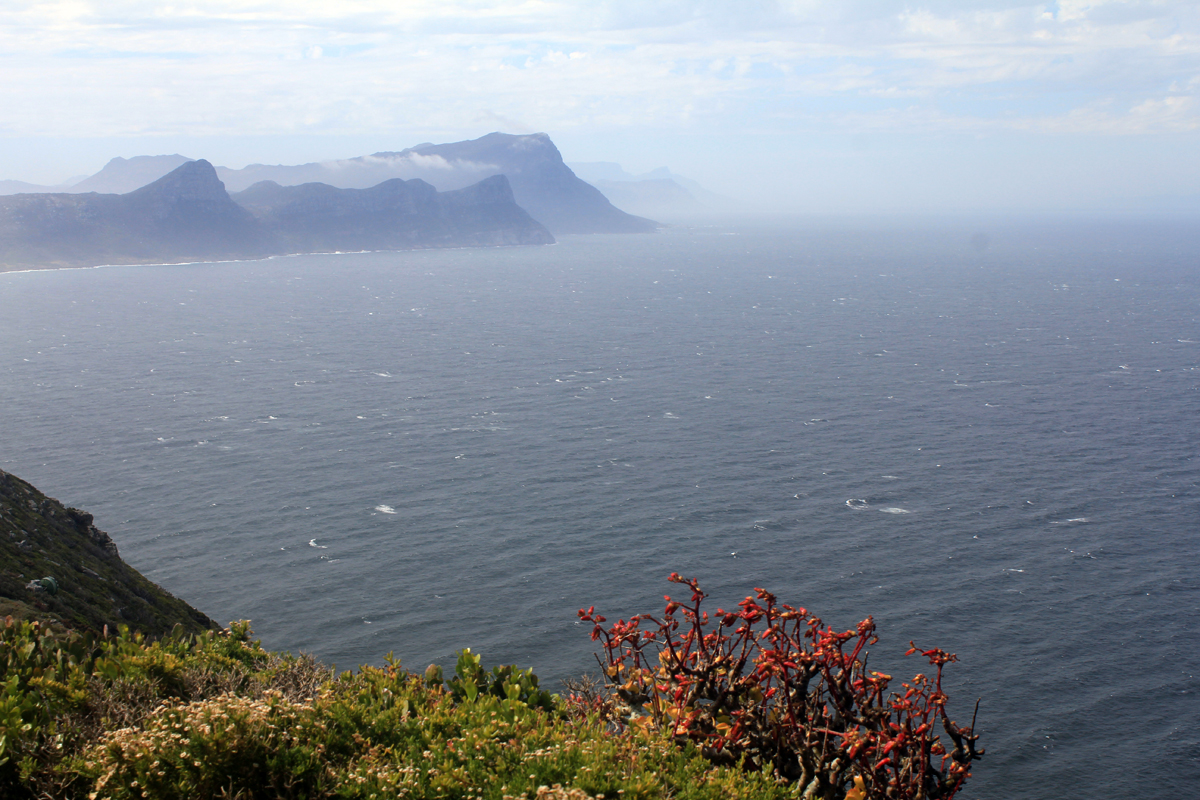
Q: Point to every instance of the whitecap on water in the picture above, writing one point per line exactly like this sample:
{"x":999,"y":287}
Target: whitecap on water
{"x":382,"y":509}
{"x":857,"y":504}
{"x":1069,"y":521}
{"x":895,"y":510}
{"x":313,"y":543}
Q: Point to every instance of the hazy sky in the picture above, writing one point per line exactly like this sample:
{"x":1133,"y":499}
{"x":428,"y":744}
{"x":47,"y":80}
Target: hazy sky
{"x":811,"y":104}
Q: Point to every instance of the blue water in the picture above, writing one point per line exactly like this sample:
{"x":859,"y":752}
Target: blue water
{"x":417,"y":452}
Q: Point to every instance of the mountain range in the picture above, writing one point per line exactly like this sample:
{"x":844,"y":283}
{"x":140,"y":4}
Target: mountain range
{"x":540,"y":181}
{"x":187,"y":215}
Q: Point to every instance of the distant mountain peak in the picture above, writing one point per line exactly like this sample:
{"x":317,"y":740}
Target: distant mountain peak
{"x":118,"y":161}
{"x":122,"y":175}
{"x":528,"y":141}
{"x":194,"y":180}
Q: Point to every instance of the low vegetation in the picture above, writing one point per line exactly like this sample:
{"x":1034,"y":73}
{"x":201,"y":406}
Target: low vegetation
{"x":216,"y":715}
{"x":213,"y":714}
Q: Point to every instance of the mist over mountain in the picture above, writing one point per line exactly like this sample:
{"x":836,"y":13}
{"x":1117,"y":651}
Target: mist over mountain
{"x":8,"y":187}
{"x":662,"y":197}
{"x":541,"y":182}
{"x":658,"y":193}
{"x":121,"y":175}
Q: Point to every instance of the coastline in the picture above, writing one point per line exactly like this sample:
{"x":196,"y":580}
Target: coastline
{"x":6,"y":269}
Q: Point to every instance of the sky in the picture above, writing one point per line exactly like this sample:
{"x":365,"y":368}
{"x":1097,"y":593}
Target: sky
{"x":808,"y":106}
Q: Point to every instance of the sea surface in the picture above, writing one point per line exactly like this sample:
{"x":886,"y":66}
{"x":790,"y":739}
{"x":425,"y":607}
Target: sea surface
{"x":984,"y":434}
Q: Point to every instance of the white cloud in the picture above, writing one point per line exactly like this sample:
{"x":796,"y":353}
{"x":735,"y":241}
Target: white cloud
{"x":123,"y":68}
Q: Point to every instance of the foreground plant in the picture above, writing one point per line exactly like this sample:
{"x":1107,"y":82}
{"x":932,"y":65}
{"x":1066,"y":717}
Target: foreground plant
{"x":771,"y":688}
{"x":118,"y":717}
{"x":61,"y":692}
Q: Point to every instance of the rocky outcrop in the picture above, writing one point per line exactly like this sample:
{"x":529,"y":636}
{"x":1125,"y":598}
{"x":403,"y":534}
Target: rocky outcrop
{"x":56,"y":565}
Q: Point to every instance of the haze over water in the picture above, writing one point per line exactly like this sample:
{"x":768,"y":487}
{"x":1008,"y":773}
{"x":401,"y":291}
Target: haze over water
{"x":988,"y":443}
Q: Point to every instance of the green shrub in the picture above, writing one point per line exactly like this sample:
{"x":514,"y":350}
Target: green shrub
{"x":254,"y":748}
{"x":508,"y":682}
{"x":61,"y":692}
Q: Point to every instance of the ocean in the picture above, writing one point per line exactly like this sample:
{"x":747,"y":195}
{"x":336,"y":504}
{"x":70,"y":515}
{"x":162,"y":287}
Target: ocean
{"x":982,"y":434}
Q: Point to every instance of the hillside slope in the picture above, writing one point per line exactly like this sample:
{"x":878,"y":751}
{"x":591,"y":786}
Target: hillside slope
{"x":92,"y":587}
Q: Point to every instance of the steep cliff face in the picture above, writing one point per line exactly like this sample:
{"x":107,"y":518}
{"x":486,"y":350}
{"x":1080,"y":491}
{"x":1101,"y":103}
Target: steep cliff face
{"x":55,"y":564}
{"x":542,"y":184}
